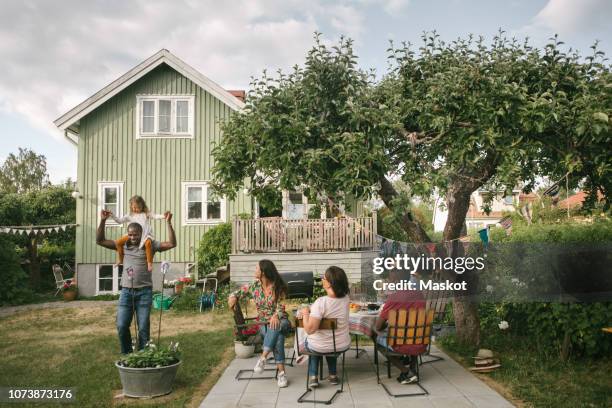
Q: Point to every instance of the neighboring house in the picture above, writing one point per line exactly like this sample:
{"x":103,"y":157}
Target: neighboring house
{"x":478,"y":216}
{"x":576,"y":200}
{"x":151,"y":132}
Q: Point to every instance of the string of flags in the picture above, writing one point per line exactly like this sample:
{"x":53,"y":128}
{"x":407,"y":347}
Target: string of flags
{"x":389,"y":247}
{"x":35,"y":230}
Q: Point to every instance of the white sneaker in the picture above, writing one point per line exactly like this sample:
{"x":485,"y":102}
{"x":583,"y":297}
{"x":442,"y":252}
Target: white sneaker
{"x":282,"y":380}
{"x":259,"y":367}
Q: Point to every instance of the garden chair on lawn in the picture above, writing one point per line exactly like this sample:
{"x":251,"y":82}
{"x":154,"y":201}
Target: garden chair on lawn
{"x":326,"y":324}
{"x":411,"y":326}
{"x":58,"y":273}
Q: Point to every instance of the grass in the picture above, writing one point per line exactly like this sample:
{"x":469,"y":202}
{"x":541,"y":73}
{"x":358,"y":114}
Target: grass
{"x":77,"y":348}
{"x":534,"y":379}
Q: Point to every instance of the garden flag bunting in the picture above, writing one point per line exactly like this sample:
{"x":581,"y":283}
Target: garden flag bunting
{"x":35,"y":230}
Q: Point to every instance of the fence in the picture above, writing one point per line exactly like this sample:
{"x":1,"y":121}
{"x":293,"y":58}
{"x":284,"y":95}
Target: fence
{"x":282,"y":235}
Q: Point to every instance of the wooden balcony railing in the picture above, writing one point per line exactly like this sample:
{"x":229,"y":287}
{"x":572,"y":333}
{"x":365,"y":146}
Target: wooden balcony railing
{"x":281,"y":235}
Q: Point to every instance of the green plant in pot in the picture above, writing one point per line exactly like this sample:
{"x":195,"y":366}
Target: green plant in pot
{"x":149,"y":372}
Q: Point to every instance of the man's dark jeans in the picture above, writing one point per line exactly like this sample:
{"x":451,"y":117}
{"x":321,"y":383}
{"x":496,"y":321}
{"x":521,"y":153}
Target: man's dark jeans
{"x":139,"y":299}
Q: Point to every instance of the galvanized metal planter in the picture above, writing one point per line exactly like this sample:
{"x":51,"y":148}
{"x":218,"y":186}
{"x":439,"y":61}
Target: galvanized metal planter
{"x":147,"y":382}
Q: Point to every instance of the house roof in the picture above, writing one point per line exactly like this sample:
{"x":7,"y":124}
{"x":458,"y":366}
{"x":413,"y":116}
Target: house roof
{"x":577,"y":200}
{"x":69,"y":121}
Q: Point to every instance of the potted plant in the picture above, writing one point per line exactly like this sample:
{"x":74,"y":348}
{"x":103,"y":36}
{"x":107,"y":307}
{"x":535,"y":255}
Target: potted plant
{"x":149,"y":372}
{"x":70,"y":290}
{"x":182,"y":281}
{"x":244,"y":337}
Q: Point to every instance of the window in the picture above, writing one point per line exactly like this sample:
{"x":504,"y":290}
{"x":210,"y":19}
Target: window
{"x":509,"y":200}
{"x":110,"y":198}
{"x":164,"y":116}
{"x":108,"y":279}
{"x":201,"y":205}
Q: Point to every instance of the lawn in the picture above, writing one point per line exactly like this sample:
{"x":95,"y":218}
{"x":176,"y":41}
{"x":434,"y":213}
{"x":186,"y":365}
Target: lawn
{"x":78,"y":347}
{"x":533,"y":379}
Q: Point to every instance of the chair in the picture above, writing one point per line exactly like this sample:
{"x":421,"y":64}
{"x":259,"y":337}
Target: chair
{"x":326,"y":324}
{"x":58,"y":273}
{"x":240,"y":323}
{"x":405,"y":327}
{"x":436,"y":300}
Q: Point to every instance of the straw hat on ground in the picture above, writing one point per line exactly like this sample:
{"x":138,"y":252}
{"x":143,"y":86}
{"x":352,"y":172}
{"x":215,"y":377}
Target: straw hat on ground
{"x":485,"y":361}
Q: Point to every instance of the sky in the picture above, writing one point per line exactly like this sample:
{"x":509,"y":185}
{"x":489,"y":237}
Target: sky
{"x":55,"y":54}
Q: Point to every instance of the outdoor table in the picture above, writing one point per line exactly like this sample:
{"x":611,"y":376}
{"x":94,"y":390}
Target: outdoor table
{"x":362,"y":324}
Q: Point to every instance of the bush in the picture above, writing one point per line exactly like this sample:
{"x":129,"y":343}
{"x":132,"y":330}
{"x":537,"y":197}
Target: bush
{"x":553,"y":328}
{"x":14,"y":279}
{"x":215,"y":247}
{"x":188,"y":300}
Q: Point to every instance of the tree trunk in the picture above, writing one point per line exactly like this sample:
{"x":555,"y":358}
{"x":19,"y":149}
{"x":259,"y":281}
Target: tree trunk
{"x":415,"y":231}
{"x":465,"y":308}
{"x":467,"y":321}
{"x":34,"y":265}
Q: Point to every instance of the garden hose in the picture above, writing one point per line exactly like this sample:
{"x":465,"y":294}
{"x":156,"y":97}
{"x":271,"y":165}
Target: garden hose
{"x":208,"y":300}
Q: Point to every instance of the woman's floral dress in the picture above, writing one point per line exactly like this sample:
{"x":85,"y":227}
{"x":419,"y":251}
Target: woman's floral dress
{"x":266,"y":306}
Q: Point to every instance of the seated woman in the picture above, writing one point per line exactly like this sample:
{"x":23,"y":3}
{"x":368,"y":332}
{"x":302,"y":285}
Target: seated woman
{"x":267,"y":290}
{"x":334,"y":305}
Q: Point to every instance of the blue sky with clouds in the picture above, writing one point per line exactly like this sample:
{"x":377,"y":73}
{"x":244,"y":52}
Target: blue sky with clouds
{"x":55,"y":54}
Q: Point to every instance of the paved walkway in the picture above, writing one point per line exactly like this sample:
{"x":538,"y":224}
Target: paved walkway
{"x":9,"y":310}
{"x":448,"y":383}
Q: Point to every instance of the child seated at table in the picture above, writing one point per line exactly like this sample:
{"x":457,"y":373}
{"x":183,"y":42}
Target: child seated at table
{"x":333,"y":306}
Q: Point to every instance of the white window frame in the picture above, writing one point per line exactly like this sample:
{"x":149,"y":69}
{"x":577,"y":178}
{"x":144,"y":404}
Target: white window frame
{"x":203,"y":221}
{"x":173,"y":134}
{"x":105,"y":184}
{"x":115,"y":279}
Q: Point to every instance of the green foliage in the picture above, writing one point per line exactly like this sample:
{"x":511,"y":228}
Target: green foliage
{"x":215,"y":247}
{"x":187,"y":301}
{"x":270,"y":201}
{"x":546,"y":323}
{"x":316,"y":126}
{"x":223,"y":293}
{"x":14,"y":279}
{"x":152,"y":356}
{"x":25,"y":172}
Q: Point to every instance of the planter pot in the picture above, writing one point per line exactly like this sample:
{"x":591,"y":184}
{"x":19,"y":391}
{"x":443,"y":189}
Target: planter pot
{"x":178,"y":289}
{"x":244,"y":351}
{"x":69,"y":295}
{"x":147,"y":382}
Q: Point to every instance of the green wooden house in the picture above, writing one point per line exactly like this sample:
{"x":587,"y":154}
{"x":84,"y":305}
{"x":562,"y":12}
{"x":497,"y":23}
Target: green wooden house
{"x":150,"y":133}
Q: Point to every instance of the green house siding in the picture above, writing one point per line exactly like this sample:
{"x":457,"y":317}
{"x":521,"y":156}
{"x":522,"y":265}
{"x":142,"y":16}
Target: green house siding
{"x":152,"y":168}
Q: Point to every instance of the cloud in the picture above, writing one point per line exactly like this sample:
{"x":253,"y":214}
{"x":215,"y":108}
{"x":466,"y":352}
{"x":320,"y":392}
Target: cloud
{"x":569,"y":17}
{"x":56,"y":54}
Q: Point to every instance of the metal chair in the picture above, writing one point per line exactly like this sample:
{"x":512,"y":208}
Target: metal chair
{"x":405,"y":327}
{"x":58,"y":273}
{"x":326,"y":324}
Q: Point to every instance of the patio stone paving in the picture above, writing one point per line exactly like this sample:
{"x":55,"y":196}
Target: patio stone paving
{"x":449,"y":385}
